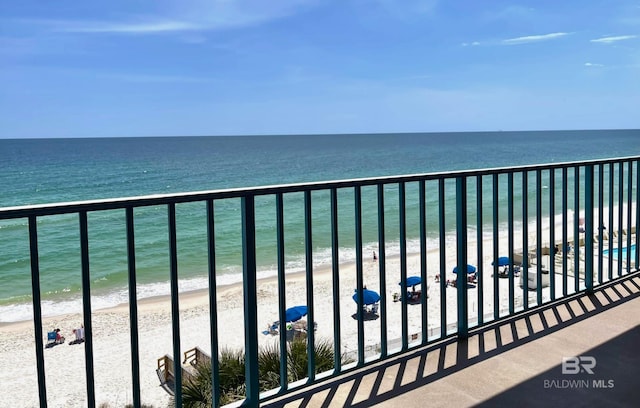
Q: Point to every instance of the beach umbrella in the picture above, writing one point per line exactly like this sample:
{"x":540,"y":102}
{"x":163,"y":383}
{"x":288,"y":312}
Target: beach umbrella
{"x":369,"y":297}
{"x":470,"y":269}
{"x":502,"y":261}
{"x":412,"y":281}
{"x":295,"y":313}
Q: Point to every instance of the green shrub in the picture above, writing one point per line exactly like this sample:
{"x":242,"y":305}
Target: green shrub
{"x":197,"y":391}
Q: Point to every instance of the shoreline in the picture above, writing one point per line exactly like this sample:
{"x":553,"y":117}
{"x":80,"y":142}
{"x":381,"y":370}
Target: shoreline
{"x":193,"y":297}
{"x":110,"y":298}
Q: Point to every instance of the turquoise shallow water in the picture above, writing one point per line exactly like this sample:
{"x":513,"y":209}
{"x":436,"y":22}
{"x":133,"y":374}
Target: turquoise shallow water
{"x":57,"y":170}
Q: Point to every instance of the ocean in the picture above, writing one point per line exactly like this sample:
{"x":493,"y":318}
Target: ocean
{"x":36,"y":171}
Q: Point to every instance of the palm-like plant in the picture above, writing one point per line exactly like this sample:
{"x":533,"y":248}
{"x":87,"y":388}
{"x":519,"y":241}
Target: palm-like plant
{"x":231,"y":370}
{"x":297,"y":358}
{"x":269,"y":367}
{"x":197,"y":391}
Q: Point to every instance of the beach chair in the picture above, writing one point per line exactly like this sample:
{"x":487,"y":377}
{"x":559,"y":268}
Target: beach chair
{"x":51,"y":338}
{"x":506,"y":272}
{"x":272,"y":329}
{"x":374,"y":308}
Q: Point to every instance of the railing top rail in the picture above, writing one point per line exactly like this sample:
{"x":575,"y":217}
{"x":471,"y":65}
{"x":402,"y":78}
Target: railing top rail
{"x":161,"y":199}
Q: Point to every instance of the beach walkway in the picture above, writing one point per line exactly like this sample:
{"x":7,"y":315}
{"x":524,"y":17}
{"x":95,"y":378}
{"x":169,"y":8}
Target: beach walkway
{"x":516,"y":362}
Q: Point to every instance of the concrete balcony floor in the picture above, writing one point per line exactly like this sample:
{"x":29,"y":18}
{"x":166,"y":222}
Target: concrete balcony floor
{"x":516,"y":362}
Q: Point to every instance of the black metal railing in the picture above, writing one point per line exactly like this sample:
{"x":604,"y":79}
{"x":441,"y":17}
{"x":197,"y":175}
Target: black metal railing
{"x":470,"y":205}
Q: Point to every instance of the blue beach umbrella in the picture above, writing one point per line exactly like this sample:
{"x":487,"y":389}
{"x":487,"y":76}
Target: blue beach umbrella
{"x":369,"y":297}
{"x":295,"y":313}
{"x":470,"y":269}
{"x":502,"y":261}
{"x":412,"y":281}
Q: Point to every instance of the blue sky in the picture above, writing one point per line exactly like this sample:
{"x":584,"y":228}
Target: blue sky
{"x":225,"y":67}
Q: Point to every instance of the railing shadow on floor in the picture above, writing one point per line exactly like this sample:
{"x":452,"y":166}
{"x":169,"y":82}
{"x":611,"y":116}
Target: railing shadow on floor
{"x":451,"y":355}
{"x":614,"y":384}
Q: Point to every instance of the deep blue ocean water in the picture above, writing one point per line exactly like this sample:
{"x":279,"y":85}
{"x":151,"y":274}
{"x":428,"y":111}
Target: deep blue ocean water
{"x":59,"y":170}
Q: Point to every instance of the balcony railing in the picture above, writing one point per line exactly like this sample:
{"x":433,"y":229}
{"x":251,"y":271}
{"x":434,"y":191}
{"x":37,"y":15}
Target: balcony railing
{"x":566,"y":227}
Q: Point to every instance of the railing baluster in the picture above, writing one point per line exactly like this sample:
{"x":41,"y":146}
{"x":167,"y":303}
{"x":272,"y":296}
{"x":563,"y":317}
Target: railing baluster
{"x":588,"y":234}
{"x":359,"y":278}
{"x":637,"y":233}
{"x":423,"y":260}
{"x":510,"y":243}
{"x":461,"y":256}
{"x":403,"y":264}
{"x":525,"y":240}
{"x":620,"y":214}
{"x":133,"y":307}
{"x":308,"y":245}
{"x":282,"y":291}
{"x":443,"y":259}
{"x":576,"y":230}
{"x":383,"y":273}
{"x":37,"y":308}
{"x":565,"y":245}
{"x":335,"y":273}
{"x":86,"y":308}
{"x":600,"y":221}
{"x":496,"y":253}
{"x":539,"y":237}
{"x":175,"y":309}
{"x":252,"y":380}
{"x":480,"y":252}
{"x":552,"y":233}
{"x":213,"y":302}
{"x":611,"y":227}
{"x":629,"y":205}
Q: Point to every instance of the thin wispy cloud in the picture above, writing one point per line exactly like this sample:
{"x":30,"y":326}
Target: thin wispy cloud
{"x":192,"y":16}
{"x":593,"y":64}
{"x":471,"y":44}
{"x":609,"y":40}
{"x":127,"y":28}
{"x":533,"y":38}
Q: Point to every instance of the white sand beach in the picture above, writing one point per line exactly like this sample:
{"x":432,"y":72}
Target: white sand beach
{"x":65,"y":364}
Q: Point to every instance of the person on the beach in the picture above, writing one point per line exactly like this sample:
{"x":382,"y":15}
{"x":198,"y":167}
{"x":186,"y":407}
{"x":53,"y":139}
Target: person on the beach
{"x":79,"y":334}
{"x":375,"y":257}
{"x":59,"y":337}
